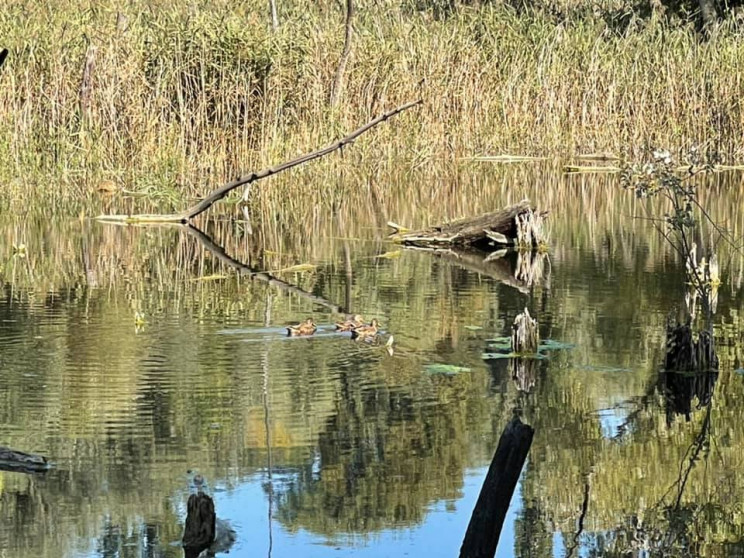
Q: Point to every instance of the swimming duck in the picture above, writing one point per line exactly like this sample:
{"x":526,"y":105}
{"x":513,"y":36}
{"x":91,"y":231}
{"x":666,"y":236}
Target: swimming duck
{"x":305,"y":328}
{"x":352,"y":322}
{"x":365,"y":330}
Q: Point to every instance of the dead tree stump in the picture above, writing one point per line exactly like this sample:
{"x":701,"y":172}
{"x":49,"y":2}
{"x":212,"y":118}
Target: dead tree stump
{"x":525,"y":337}
{"x":199,"y":531}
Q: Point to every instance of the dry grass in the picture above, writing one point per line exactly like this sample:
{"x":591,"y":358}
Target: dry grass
{"x":184,"y":97}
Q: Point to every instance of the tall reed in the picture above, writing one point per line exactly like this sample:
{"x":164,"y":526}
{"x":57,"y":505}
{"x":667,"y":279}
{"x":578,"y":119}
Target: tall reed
{"x":185,"y":96}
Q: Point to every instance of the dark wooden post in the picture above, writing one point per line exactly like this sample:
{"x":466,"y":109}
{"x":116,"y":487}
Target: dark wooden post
{"x":199,"y":531}
{"x":484,"y":530}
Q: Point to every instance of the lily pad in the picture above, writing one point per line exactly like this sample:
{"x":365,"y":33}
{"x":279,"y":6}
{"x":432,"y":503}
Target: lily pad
{"x":500,"y":347}
{"x":552,"y":345}
{"x":496,"y":356}
{"x":447,"y":369}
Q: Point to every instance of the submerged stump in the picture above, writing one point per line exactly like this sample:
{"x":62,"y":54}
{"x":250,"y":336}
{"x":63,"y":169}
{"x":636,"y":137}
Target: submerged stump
{"x":199,"y":531}
{"x":525,"y":337}
{"x":203,"y":530}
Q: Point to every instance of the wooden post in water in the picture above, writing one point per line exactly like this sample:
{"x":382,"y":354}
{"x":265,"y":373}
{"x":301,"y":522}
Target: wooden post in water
{"x":484,"y":529}
{"x":199,"y":531}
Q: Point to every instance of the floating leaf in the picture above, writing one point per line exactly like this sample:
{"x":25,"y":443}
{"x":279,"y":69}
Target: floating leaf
{"x":447,"y":369}
{"x":497,"y":356}
{"x":551,"y":345}
{"x":598,"y":368}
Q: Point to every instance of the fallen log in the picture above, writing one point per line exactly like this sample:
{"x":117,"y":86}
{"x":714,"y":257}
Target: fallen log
{"x":484,"y":529}
{"x":19,"y":461}
{"x":490,"y":231}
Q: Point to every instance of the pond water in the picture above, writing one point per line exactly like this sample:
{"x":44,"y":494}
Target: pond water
{"x":131,"y":356}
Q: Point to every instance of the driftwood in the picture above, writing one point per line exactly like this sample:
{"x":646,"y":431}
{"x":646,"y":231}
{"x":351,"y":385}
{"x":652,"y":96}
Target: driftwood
{"x":484,"y":529}
{"x":490,"y":231}
{"x":19,"y":461}
{"x":221,"y":192}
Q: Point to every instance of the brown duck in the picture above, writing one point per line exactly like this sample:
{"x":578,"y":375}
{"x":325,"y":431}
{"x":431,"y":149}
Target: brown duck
{"x":305,"y":328}
{"x":365,"y":331}
{"x":351,"y":323}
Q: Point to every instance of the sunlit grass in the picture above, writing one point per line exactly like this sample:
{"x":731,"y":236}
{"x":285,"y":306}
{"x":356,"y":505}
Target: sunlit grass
{"x":184,"y":98}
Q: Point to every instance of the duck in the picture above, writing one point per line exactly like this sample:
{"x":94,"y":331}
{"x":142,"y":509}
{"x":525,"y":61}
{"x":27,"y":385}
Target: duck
{"x":351,"y":323}
{"x":364,"y":331}
{"x":305,"y":328}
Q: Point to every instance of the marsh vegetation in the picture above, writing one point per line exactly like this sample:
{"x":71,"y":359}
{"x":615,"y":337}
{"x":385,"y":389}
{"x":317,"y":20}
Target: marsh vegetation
{"x":131,"y":355}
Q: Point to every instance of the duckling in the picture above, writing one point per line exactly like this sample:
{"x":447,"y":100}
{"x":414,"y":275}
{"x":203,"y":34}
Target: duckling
{"x":305,"y":328}
{"x":365,"y":331}
{"x":351,"y":323}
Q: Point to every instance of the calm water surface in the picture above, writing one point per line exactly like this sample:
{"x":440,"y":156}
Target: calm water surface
{"x":324,"y":446}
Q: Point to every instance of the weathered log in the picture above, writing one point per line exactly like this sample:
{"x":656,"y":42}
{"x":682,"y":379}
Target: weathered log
{"x":490,"y":231}
{"x":12,"y":460}
{"x":525,"y":337}
{"x":484,"y":529}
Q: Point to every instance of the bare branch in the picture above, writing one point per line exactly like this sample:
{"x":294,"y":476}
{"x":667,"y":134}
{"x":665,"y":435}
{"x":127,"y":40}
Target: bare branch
{"x":222,"y":191}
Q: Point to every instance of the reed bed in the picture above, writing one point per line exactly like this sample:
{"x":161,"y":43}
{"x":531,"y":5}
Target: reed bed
{"x":181,"y":97}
